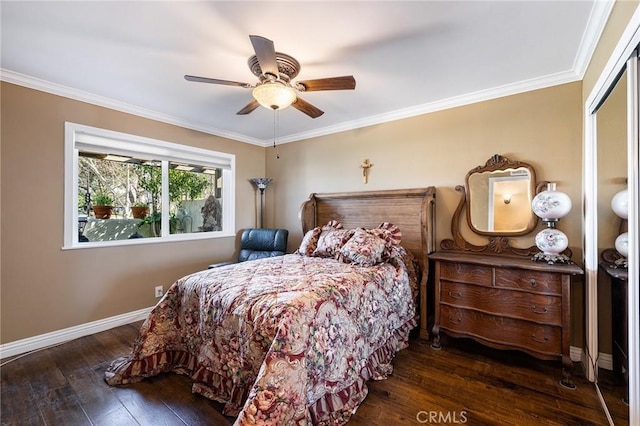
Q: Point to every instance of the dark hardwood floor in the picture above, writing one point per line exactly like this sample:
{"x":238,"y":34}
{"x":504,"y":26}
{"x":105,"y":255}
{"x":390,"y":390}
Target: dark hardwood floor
{"x":463,"y":383}
{"x":614,"y":392}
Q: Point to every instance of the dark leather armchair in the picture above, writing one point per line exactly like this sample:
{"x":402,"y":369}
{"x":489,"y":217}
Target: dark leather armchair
{"x":258,"y":243}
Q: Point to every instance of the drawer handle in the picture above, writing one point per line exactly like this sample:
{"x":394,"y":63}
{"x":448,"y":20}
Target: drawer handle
{"x":533,"y":282}
{"x":545,"y":339}
{"x":455,"y":295}
{"x":538,"y":311}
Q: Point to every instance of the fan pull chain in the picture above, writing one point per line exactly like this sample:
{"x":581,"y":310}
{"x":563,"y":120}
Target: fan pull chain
{"x":275,"y":126}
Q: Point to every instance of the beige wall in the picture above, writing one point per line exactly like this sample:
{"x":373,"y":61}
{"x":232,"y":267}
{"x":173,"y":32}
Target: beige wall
{"x":543,"y":127}
{"x":45,"y":288}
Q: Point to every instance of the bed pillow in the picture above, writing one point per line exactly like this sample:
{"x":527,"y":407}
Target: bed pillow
{"x":331,"y":241}
{"x":364,"y":248}
{"x":309,"y":242}
{"x":388,"y":232}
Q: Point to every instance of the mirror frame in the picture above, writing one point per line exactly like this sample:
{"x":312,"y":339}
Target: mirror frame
{"x":499,"y":243}
{"x":499,"y":163}
{"x":621,"y":57}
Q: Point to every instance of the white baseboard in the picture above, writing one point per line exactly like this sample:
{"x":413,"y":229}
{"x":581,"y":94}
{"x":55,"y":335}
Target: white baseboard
{"x":56,"y":337}
{"x":605,"y":361}
{"x":575,"y":353}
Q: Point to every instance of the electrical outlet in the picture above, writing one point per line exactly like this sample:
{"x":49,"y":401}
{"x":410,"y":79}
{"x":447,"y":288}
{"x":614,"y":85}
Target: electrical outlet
{"x":159,"y":291}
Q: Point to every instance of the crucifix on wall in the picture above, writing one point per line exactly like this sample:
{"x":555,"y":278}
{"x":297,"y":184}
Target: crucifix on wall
{"x":366,"y":165}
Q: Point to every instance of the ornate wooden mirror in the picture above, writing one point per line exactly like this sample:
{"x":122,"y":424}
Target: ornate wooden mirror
{"x":497,"y":199}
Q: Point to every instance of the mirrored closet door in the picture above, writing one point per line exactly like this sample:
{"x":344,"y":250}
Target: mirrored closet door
{"x":611,"y":234}
{"x":611,"y":150}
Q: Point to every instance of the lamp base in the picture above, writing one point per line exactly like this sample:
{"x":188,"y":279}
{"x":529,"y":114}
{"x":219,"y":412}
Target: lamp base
{"x":551,"y":258}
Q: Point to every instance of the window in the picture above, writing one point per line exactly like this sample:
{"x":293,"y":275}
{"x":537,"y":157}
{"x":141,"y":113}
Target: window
{"x":125,"y":189}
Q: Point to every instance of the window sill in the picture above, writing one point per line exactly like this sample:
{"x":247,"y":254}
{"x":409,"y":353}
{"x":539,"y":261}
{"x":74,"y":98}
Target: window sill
{"x":152,"y":240}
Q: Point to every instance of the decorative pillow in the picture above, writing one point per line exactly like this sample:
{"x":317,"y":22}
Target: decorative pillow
{"x":364,"y":248}
{"x":331,"y":241}
{"x":392,"y":233}
{"x":309,"y":242}
{"x":388,"y":232}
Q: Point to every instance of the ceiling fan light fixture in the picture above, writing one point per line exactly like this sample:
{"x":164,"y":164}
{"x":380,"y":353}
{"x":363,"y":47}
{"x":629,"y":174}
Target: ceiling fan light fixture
{"x":274,"y":95}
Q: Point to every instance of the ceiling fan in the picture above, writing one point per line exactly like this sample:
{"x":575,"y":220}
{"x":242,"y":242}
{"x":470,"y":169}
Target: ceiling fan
{"x":275,"y":88}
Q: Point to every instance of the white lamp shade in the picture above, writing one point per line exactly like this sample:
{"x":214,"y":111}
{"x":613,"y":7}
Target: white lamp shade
{"x":622,"y":244}
{"x":551,"y":204}
{"x":552,"y":241}
{"x":620,"y":204}
{"x":274,"y":95}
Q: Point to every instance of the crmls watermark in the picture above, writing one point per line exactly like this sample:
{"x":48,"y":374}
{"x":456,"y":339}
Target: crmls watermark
{"x":442,"y":417}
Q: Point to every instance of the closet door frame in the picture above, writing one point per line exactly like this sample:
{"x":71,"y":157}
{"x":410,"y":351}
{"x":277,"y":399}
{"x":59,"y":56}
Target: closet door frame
{"x":625,"y":55}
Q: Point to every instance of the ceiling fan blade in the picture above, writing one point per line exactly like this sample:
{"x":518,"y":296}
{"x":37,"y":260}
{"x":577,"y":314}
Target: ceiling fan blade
{"x":215,"y":81}
{"x":332,"y":83}
{"x":248,"y":108}
{"x":266,"y":54}
{"x":304,"y":106}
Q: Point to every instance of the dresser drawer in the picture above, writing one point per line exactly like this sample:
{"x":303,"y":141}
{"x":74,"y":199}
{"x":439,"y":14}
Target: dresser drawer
{"x":466,"y":273}
{"x":540,"y":282}
{"x":515,"y":304}
{"x":546,"y":339}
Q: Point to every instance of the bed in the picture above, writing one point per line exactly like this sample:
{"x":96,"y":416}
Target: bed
{"x":294,"y":339}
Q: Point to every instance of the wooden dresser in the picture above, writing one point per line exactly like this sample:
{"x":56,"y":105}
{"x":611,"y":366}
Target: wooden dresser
{"x":505,"y":302}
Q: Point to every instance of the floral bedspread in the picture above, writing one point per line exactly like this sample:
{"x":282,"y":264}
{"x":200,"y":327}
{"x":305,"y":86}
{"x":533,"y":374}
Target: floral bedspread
{"x":284,"y":340}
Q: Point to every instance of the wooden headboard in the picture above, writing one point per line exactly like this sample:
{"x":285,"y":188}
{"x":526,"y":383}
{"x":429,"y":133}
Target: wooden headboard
{"x":413,"y":210}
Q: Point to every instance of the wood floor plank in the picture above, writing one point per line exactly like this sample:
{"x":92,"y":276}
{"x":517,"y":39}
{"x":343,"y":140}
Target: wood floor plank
{"x":51,"y":392}
{"x":145,"y":407}
{"x":26,"y":413}
{"x":59,"y":406}
{"x":614,"y":392}
{"x":99,"y":400}
{"x":194,"y":409}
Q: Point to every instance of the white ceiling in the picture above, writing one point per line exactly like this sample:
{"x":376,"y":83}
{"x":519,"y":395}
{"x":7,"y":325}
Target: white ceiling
{"x":408,"y":57}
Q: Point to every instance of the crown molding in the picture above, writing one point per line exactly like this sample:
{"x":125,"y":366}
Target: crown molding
{"x":453,"y":102}
{"x":592,"y":33}
{"x":441,"y":105}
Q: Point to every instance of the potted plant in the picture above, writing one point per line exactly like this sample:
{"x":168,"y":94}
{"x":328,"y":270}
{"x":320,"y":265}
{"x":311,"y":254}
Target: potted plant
{"x":139,"y":210}
{"x":102,"y":206}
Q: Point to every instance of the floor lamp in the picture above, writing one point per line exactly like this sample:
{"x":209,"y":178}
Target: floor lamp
{"x":261,"y":184}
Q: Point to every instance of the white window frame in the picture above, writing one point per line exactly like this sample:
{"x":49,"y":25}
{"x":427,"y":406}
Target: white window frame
{"x":81,"y":137}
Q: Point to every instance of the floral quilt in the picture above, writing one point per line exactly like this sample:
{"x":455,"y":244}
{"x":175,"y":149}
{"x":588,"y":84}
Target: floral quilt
{"x":283,"y":340}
